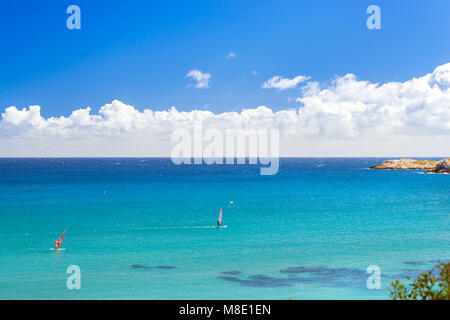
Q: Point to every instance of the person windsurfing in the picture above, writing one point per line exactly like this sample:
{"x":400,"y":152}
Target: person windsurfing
{"x":58,"y":242}
{"x":219,"y":219}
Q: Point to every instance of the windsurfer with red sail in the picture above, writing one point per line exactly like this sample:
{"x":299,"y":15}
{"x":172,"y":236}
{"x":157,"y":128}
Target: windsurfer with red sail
{"x":58,"y":242}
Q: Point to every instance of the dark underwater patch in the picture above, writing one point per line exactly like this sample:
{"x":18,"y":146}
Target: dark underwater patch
{"x":326,"y":272}
{"x":439,"y":261}
{"x":139,"y":266}
{"x":412,"y":273}
{"x":323,"y":276}
{"x":424,"y":263}
{"x":425,"y":266}
{"x":232,"y":272}
{"x":415,"y":263}
{"x":261,"y":281}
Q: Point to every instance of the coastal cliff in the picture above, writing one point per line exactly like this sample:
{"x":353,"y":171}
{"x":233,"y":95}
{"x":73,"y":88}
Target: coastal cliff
{"x":442,"y":166}
{"x":430,"y":166}
{"x":406,"y":164}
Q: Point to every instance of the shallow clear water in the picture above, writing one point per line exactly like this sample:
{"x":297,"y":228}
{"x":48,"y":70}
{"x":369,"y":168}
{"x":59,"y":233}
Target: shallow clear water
{"x":309,"y":232}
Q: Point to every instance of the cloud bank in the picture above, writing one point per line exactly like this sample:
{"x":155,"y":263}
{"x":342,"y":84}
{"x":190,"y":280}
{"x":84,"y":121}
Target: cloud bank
{"x":346,"y":117}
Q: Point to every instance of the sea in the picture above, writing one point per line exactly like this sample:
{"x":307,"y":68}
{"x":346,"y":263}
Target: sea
{"x":145,"y":228}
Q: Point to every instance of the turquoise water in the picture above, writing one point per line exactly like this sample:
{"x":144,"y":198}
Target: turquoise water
{"x":143,"y":228}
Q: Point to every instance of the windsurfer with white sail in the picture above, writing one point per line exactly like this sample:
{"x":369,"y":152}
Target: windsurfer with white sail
{"x":219,"y":219}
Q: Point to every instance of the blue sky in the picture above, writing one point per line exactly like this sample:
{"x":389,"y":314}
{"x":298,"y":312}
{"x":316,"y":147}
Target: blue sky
{"x":140,"y":51}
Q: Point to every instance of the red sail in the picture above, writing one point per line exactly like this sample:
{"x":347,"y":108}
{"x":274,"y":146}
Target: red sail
{"x":58,"y":242}
{"x":62,"y":236}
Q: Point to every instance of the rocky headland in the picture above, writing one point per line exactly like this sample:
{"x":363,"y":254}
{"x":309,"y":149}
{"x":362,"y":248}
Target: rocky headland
{"x":442,"y":166}
{"x":431,"y":166}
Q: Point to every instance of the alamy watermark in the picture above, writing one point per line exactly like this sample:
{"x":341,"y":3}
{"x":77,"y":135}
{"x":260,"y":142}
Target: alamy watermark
{"x":74,"y":280}
{"x":74,"y":20}
{"x":230,"y":146}
{"x":374,"y":20}
{"x":374,"y":280}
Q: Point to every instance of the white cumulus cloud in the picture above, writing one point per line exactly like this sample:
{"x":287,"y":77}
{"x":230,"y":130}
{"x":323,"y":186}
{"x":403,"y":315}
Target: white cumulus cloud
{"x":231,"y":55}
{"x":202,"y":79}
{"x":280,"y":83}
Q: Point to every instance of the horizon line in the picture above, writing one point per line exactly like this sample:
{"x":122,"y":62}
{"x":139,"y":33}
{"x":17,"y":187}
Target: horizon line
{"x":165,"y":157}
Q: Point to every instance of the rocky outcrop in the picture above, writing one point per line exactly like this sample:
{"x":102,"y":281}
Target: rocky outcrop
{"x":406,"y":164}
{"x":442,"y":166}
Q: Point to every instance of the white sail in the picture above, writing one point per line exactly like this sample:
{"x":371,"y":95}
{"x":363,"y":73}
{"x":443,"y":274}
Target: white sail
{"x":219,"y":219}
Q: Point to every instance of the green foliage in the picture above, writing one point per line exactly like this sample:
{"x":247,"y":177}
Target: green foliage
{"x":426,"y":162}
{"x":430,"y":285}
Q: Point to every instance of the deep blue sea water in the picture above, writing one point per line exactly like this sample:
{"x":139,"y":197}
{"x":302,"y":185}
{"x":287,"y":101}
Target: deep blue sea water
{"x":308,"y":232}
